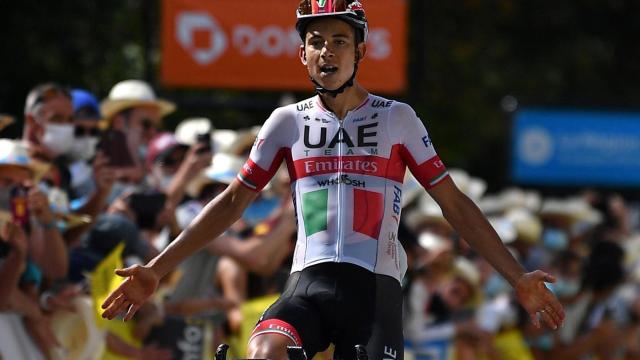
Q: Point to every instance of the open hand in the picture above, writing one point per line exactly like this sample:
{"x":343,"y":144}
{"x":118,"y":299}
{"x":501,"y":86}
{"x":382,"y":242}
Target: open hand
{"x":536,"y":298}
{"x":139,"y":285}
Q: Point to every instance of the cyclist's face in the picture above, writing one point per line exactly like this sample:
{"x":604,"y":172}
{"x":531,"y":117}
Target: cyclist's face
{"x":329,"y":52}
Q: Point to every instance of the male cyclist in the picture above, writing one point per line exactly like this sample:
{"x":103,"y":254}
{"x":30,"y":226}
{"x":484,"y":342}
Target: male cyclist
{"x":346,"y":151}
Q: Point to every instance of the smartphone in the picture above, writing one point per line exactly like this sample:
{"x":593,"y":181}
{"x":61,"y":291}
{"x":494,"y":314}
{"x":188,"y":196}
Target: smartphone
{"x":113,"y":144}
{"x":204,"y":138}
{"x":19,"y":206}
{"x":146,"y":207}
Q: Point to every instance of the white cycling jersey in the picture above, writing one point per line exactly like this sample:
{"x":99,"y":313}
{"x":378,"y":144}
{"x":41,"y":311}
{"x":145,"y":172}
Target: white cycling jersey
{"x":346,"y":177}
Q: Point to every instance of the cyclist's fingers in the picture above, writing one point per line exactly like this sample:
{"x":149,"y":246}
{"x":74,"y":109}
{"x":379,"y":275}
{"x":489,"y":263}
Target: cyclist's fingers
{"x":132,"y":309}
{"x":115,"y":307}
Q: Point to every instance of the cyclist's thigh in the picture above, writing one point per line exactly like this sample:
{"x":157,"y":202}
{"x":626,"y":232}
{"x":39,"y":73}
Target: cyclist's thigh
{"x":295,"y":316}
{"x":269,"y":346}
{"x":376,"y":323}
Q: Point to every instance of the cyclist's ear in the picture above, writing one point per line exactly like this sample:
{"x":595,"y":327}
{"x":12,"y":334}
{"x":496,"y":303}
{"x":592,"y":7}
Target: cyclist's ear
{"x":303,"y":55}
{"x":361,"y":50}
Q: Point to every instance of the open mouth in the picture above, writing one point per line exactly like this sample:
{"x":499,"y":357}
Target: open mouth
{"x":328,"y":69}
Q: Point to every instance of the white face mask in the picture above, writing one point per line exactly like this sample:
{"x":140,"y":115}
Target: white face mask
{"x":58,"y":138}
{"x":84,"y":148}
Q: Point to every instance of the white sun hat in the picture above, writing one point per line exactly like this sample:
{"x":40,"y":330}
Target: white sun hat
{"x":77,"y":331}
{"x":15,"y":153}
{"x":130,"y":93}
{"x":504,"y":228}
{"x":527,"y":225}
{"x":188,"y":130}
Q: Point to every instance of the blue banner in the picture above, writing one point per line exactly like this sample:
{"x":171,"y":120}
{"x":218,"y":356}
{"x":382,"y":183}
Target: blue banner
{"x":557,"y":147}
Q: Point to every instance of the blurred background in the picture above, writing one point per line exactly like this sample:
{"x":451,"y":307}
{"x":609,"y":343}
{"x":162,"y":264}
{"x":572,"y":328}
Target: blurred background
{"x":468,"y":64}
{"x":535,"y":105}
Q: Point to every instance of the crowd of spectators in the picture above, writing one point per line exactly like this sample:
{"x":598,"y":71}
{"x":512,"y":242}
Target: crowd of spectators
{"x":89,"y":175}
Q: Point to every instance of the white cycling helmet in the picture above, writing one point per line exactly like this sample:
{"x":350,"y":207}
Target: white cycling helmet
{"x":350,"y":11}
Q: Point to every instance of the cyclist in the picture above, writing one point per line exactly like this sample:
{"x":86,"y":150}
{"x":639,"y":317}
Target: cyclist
{"x":346,"y":151}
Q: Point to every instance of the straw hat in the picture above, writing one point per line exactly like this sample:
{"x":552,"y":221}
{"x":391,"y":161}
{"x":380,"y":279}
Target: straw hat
{"x":467,"y":271}
{"x":5,"y":120}
{"x":571,"y":209}
{"x":14,"y":153}
{"x":510,"y":198}
{"x":130,"y":93}
{"x":528,"y":226}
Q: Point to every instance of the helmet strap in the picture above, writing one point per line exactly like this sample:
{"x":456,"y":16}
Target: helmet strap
{"x":333,"y":93}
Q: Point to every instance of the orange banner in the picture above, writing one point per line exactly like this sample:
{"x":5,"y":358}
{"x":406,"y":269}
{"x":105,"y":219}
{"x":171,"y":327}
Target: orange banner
{"x":250,"y":44}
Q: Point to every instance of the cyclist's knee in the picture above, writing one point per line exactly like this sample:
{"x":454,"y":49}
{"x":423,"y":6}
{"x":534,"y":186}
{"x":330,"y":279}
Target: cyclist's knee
{"x":269,"y":346}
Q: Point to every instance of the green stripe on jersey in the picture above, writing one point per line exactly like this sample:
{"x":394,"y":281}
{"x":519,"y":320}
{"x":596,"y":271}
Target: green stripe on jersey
{"x":314,"y":211}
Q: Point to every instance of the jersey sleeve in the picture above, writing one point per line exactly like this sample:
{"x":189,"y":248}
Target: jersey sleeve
{"x":417,"y":150}
{"x":268,"y":151}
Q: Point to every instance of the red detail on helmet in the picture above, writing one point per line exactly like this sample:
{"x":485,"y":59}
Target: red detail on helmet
{"x":321,"y":7}
{"x":355,"y":6}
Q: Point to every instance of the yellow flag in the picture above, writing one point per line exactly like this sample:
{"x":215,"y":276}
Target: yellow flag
{"x":104,"y":280}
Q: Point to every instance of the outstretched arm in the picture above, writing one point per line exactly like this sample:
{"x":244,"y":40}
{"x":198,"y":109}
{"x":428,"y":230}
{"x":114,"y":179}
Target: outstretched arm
{"x":470,"y":223}
{"x":214,"y":219}
{"x":142,"y":281}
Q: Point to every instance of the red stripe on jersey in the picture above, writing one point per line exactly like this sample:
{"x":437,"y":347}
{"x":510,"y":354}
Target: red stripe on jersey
{"x":429,"y":173}
{"x":252,"y":175}
{"x":275,"y":326}
{"x":392,"y":169}
{"x":367,"y":212}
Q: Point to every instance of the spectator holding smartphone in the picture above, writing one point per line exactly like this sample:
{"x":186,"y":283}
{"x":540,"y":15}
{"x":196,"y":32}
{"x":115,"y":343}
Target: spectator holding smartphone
{"x":32,"y":251}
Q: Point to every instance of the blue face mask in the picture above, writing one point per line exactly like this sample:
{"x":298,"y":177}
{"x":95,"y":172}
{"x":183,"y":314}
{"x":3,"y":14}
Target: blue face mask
{"x":555,"y":239}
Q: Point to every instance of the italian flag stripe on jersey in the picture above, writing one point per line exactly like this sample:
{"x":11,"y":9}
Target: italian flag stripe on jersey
{"x":314,"y":211}
{"x":368,"y":211}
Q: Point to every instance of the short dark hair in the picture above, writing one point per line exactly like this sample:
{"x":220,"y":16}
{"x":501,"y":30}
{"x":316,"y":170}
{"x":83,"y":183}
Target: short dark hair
{"x":42,"y":93}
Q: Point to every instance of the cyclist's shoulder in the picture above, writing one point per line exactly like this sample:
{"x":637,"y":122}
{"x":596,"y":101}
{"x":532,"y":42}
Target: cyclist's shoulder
{"x":395,"y":107}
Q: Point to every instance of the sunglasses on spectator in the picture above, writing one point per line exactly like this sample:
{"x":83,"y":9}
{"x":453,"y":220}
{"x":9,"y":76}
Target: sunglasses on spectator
{"x":81,"y":131}
{"x":49,"y":92}
{"x":147,"y":124}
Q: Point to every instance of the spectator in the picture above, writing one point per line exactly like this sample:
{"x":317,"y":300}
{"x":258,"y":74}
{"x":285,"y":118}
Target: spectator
{"x":33,"y":251}
{"x":133,"y":109}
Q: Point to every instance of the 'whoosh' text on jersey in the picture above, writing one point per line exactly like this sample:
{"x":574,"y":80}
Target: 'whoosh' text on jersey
{"x":346,"y":177}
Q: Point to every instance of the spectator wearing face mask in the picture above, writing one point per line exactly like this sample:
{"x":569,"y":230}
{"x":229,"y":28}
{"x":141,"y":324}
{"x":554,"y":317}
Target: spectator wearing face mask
{"x":49,"y":132}
{"x":48,"y":126}
{"x":91,"y":176}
